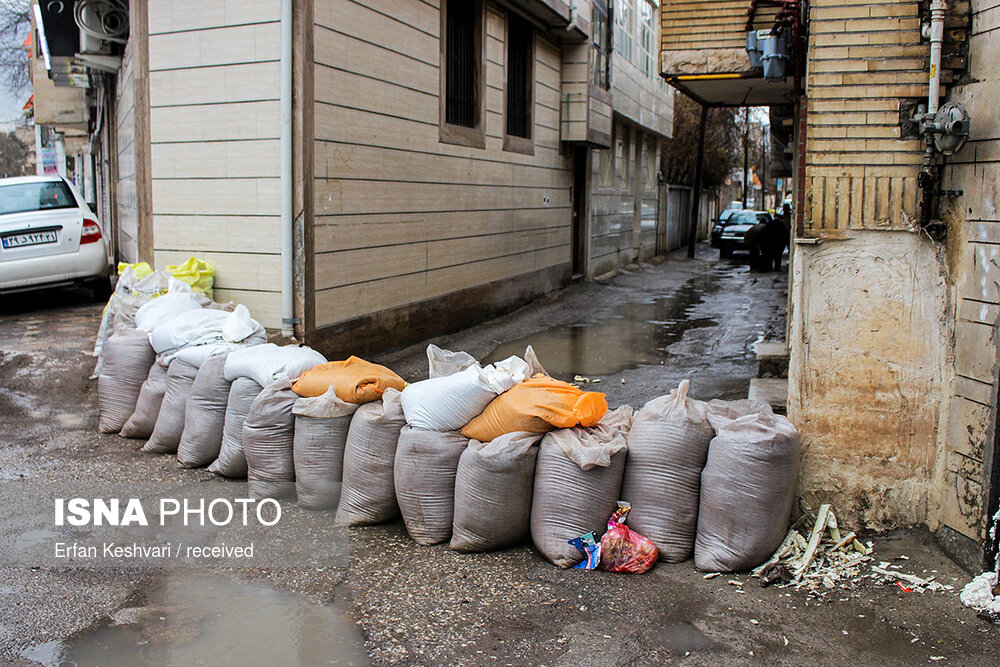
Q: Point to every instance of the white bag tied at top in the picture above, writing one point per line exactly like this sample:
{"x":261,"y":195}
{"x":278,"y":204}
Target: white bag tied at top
{"x":268,"y":442}
{"x":127,"y":360}
{"x":268,"y":362}
{"x":321,"y":427}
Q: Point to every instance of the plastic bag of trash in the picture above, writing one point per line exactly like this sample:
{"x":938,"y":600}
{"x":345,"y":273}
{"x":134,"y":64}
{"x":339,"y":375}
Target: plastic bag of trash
{"x":170,"y":421}
{"x":747,"y":491}
{"x":667,"y":447}
{"x":368,"y":494}
{"x":127,"y":359}
{"x":539,"y":404}
{"x":355,"y":380}
{"x":232,"y":461}
{"x":205,"y":414}
{"x":493,"y":487}
{"x":197,"y":273}
{"x":321,"y":427}
{"x":578,"y":478}
{"x":424,"y":474}
{"x":147,"y":407}
{"x":268,"y":442}
{"x":623,"y":549}
{"x":266,"y":363}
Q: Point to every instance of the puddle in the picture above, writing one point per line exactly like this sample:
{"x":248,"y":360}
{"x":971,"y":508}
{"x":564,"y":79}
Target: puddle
{"x":684,"y":637}
{"x":196,"y":618}
{"x":636,"y":334}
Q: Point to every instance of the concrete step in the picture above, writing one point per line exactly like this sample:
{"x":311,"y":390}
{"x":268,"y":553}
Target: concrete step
{"x":773,"y":391}
{"x":772,"y":359}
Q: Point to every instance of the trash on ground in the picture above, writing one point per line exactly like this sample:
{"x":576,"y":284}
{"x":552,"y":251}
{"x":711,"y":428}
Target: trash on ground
{"x":623,"y":549}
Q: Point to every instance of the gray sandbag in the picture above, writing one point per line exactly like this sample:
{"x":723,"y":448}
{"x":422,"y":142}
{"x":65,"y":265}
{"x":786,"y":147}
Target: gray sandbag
{"x":232,"y":461}
{"x":268,"y":440}
{"x":747,"y":491}
{"x":205,"y":415}
{"x":667,"y":447}
{"x":170,"y":421}
{"x":127,"y":357}
{"x":424,"y":473}
{"x":367,"y":495}
{"x":493,"y":487}
{"x":321,"y":427}
{"x":147,"y":407}
{"x":578,"y":478}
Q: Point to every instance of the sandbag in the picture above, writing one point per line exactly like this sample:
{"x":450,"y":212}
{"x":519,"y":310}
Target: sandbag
{"x":268,"y":441}
{"x":424,"y":474}
{"x":321,"y":427}
{"x":368,"y":494}
{"x":539,"y":404}
{"x":578,"y":478}
{"x":165,"y":308}
{"x":206,"y":326}
{"x":747,"y":491}
{"x":205,"y":415}
{"x":355,"y":380}
{"x":449,"y":402}
{"x":667,"y":447}
{"x":493,"y":487}
{"x":266,"y":363}
{"x":170,"y":421}
{"x":127,"y":359}
{"x":232,"y":461}
{"x":147,"y":407}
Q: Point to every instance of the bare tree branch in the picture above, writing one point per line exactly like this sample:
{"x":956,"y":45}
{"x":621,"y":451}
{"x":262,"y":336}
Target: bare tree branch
{"x":723,"y":144}
{"x":15,"y":24}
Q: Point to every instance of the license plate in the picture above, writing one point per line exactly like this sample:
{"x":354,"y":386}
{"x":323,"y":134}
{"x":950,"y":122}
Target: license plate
{"x":32,"y":238}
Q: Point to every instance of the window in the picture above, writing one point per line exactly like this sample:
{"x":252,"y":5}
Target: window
{"x":624,"y":22}
{"x":39,"y":196}
{"x":599,"y":60}
{"x":647,"y":35}
{"x":462,"y":72}
{"x":520,"y":54}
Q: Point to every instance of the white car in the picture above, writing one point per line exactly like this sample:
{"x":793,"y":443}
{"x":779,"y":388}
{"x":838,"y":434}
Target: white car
{"x":49,"y":237}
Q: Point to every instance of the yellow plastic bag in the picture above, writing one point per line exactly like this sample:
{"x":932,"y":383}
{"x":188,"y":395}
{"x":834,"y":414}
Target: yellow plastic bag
{"x":354,"y":380}
{"x":539,"y":404}
{"x":142,"y":269}
{"x":199,"y":274}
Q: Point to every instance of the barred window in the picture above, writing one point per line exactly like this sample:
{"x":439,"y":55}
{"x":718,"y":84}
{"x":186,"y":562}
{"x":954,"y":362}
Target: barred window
{"x":601,"y":42}
{"x":520,"y":52}
{"x":462,"y":64}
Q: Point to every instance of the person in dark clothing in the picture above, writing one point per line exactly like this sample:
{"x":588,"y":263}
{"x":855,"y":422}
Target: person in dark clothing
{"x":767,"y":241}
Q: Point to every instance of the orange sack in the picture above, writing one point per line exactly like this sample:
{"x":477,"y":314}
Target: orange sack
{"x":354,"y":380}
{"x":539,"y":404}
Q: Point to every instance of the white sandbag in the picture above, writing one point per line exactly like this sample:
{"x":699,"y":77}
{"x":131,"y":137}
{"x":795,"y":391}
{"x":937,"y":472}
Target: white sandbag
{"x":131,"y":292}
{"x":747,"y":491}
{"x":207,"y":326}
{"x":268,"y":442}
{"x":321,"y":427}
{"x":266,"y":363}
{"x":368,"y":495}
{"x":165,"y":308}
{"x":205,"y":415}
{"x":667,"y":447}
{"x":424,"y":475}
{"x":127,"y":359}
{"x":493,"y":488}
{"x":147,"y":407}
{"x":170,"y":421}
{"x":232,"y":461}
{"x":578,"y":478}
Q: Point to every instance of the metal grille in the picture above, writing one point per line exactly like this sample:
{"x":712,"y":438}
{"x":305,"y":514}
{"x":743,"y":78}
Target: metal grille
{"x":461,"y":105}
{"x":519,"y":38}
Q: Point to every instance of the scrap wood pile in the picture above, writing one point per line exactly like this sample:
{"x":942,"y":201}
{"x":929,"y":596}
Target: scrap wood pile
{"x":481,"y":457}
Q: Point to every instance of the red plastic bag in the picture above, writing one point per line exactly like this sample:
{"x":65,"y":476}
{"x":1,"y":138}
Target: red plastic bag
{"x":623,"y":549}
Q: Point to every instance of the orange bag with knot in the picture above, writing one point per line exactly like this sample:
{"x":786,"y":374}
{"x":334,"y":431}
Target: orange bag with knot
{"x":354,"y":380}
{"x":539,"y":405}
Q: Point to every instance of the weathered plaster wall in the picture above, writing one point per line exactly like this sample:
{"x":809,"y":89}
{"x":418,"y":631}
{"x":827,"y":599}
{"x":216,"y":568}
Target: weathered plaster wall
{"x":869,"y":360}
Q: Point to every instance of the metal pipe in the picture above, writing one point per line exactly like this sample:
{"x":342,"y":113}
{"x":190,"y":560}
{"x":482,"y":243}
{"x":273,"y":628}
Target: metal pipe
{"x":287,"y":286}
{"x":938,"y":9}
{"x":699,"y":167}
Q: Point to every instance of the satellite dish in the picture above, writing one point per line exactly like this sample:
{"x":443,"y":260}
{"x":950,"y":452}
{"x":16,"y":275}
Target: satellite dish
{"x":952,"y":122}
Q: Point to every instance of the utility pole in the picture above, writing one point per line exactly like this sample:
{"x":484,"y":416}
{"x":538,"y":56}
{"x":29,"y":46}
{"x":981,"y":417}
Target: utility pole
{"x":763,"y":174}
{"x":746,"y":151}
{"x":699,"y":167}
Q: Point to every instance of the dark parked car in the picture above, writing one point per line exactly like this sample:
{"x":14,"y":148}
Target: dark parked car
{"x":728,"y":233}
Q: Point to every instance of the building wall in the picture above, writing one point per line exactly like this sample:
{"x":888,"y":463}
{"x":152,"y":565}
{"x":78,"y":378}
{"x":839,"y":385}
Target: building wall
{"x":402,"y":218}
{"x":215,"y":128}
{"x":708,"y":37}
{"x":125,"y":185}
{"x":974,"y":249}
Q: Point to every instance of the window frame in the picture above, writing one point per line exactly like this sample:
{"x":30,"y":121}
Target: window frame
{"x":513,"y":142}
{"x":451,"y":133}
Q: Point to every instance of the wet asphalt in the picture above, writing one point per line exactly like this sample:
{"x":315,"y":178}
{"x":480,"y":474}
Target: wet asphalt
{"x":394,"y":602}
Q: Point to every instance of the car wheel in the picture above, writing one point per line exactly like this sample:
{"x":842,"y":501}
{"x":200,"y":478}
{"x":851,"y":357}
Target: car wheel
{"x":101,"y":288}
{"x":725,"y":253}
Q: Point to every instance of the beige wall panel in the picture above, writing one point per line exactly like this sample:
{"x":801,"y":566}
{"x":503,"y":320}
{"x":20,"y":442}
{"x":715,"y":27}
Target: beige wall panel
{"x":232,"y":270}
{"x":217,"y":159}
{"x":216,"y":122}
{"x":179,"y":15}
{"x":265,"y":307}
{"x":222,"y":46}
{"x":220,"y":196}
{"x":217,"y":232}
{"x":210,"y":85}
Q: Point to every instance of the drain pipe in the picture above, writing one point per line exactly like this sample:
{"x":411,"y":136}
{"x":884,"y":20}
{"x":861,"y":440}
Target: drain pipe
{"x":927,"y":179}
{"x":287,"y":294}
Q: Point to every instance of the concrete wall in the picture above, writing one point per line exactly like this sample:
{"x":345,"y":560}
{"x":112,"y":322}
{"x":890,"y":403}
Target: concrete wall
{"x":125,"y":185}
{"x":214,"y":129}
